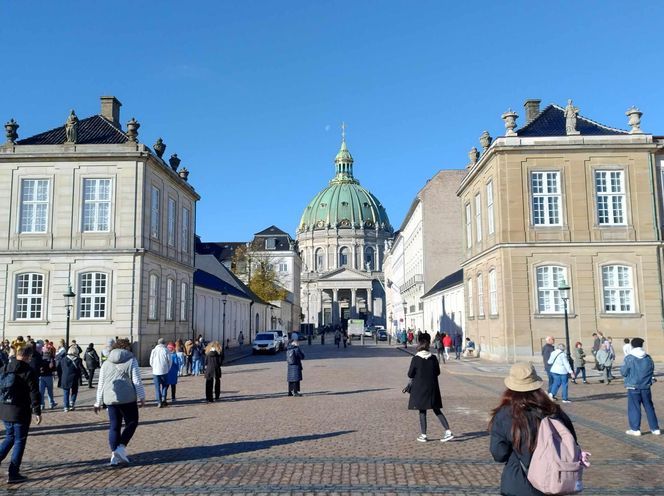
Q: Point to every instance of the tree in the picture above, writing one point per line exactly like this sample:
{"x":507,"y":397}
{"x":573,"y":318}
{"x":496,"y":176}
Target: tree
{"x":263,"y":282}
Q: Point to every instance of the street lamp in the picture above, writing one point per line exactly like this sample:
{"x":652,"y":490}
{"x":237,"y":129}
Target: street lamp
{"x":68,"y":305}
{"x":405,"y":326}
{"x":564,"y":288}
{"x":224,"y":299}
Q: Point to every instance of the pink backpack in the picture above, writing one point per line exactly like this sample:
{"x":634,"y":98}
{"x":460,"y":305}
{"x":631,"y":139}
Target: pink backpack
{"x":555,"y":467}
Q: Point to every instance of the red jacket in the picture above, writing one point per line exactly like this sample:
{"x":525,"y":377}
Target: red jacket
{"x":447,"y":341}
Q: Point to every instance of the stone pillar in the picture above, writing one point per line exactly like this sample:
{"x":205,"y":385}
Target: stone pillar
{"x":335,"y":306}
{"x":354,"y":255}
{"x":369,"y":302}
{"x":320,"y":313}
{"x":353,"y":303}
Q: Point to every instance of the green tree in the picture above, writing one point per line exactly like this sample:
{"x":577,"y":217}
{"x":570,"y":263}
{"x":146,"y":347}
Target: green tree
{"x":264,"y":281}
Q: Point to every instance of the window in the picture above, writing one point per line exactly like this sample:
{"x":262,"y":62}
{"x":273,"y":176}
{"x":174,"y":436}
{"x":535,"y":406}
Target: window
{"x":34,"y":205}
{"x":185,"y":230}
{"x":546,"y":198}
{"x":549,"y":278}
{"x":170,"y":285}
{"x":271,"y":244}
{"x":171,"y":222}
{"x":489,"y":207}
{"x":469,"y":231}
{"x":29,"y":296}
{"x":320,"y":260}
{"x":493,"y":293}
{"x":155,"y":213}
{"x":283,"y":267}
{"x":618,"y":289}
{"x":480,"y":296}
{"x":478,"y":217}
{"x":471,"y":312}
{"x":184,"y":298}
{"x":96,"y":205}
{"x":153,"y":297}
{"x":92,"y":295}
{"x":369,"y":258}
{"x":343,"y":257}
{"x":610,"y":188}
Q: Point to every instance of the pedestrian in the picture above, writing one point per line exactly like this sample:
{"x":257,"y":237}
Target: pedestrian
{"x":73,"y":343}
{"x":160,"y":361}
{"x":560,"y":369}
{"x":240,"y":339}
{"x":425,"y":391}
{"x":337,"y":337}
{"x":605,"y":358}
{"x":447,"y":345}
{"x":46,"y":379}
{"x":580,"y":362}
{"x":92,"y":362}
{"x":294,"y":357}
{"x":638,"y":371}
{"x":120,"y":388}
{"x":196,"y":357}
{"x":514,"y":424}
{"x":60,"y":354}
{"x":438,"y":346}
{"x":106,"y":350}
{"x":188,"y":345}
{"x":72,"y":371}
{"x":547,"y":349}
{"x":344,"y":337}
{"x":411,"y":336}
{"x":597,"y":342}
{"x":458,"y":345}
{"x":627,"y":347}
{"x":19,"y":403}
{"x":182,"y":361}
{"x":213,"y":360}
{"x":173,"y":372}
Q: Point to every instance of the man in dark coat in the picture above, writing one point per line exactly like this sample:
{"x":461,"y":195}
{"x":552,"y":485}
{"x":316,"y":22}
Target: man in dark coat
{"x":294,"y":357}
{"x":547,"y":349}
{"x":19,"y":404}
{"x":213,"y":360}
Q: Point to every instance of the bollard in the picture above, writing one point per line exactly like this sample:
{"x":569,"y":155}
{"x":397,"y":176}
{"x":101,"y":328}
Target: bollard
{"x":322,"y":338}
{"x":389,"y":339}
{"x":309,"y":339}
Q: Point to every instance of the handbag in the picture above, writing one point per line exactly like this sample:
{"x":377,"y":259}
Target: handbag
{"x":408,"y":387}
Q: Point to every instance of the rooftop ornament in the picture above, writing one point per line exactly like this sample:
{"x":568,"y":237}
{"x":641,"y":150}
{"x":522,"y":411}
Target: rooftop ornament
{"x":132,"y":129}
{"x":159,"y":147}
{"x":71,"y":128}
{"x":174,"y":161}
{"x":485,"y":141}
{"x":510,"y":118}
{"x":10,"y":131}
{"x":570,"y":118}
{"x":474,"y":156}
{"x":184,"y":173}
{"x":634,"y":115}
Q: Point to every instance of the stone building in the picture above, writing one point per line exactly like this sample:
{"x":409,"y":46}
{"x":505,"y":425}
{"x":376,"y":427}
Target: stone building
{"x":341,"y":237}
{"x":562,"y":200}
{"x":444,"y":305}
{"x":87,"y":205}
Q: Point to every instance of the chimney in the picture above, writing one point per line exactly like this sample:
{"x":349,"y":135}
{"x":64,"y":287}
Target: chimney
{"x":532,"y":107}
{"x":110,"y":109}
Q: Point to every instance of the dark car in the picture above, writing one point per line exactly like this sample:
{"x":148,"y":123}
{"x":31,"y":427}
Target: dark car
{"x":381,"y":335}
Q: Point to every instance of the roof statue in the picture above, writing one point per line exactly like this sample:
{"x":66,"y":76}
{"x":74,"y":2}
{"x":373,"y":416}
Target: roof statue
{"x":510,"y":118}
{"x":570,"y":118}
{"x":634,"y":115}
{"x":71,"y":128}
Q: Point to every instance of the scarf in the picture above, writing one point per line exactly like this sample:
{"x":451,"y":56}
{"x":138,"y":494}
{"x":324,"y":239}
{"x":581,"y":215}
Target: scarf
{"x":423,"y":354}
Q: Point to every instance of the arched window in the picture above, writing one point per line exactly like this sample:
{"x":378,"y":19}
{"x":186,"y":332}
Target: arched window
{"x":549,"y":279}
{"x":29,"y":299}
{"x":618,"y":289}
{"x":343,"y":257}
{"x":92,"y":295}
{"x":320,"y":260}
{"x":369,"y":258}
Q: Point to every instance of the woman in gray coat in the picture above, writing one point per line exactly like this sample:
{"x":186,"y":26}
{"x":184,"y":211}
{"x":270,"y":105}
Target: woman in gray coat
{"x":294,"y":357}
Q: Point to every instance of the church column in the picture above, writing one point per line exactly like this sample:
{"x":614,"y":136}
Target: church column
{"x":369,"y":302}
{"x":335,"y":307}
{"x":320,"y":313}
{"x":354,"y":248}
{"x":353,"y":303}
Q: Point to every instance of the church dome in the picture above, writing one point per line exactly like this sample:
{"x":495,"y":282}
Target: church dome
{"x":344,"y":203}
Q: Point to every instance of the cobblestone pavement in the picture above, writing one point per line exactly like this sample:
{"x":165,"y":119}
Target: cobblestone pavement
{"x":350,"y":434}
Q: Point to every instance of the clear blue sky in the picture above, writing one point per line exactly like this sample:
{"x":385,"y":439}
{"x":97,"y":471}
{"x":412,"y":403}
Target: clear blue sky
{"x":251,"y":94}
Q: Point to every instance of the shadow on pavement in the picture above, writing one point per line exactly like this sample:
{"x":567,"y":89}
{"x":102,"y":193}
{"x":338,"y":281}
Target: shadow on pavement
{"x":102,"y":425}
{"x":250,"y":397}
{"x":602,"y":396}
{"x":468,"y":436}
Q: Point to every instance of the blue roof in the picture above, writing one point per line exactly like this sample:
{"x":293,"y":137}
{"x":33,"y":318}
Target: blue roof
{"x":209,"y":281}
{"x":446,"y":282}
{"x":94,"y":130}
{"x":551,"y":122}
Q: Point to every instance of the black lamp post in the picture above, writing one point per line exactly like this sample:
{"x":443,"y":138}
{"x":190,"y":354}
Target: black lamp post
{"x":68,"y":305}
{"x":224,"y":299}
{"x":564,"y":295}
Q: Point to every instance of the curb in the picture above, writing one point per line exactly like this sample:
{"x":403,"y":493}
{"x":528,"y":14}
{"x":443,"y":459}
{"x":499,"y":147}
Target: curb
{"x":457,"y":372}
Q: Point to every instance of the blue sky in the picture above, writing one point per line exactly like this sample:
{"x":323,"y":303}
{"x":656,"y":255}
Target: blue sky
{"x":251,"y":94}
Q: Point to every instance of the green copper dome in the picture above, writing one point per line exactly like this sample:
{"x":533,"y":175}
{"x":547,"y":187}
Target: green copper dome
{"x":344,"y":203}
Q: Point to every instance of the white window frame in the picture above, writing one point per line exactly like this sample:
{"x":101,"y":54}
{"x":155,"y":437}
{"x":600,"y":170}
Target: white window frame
{"x":172,"y":212}
{"x":170,"y":298}
{"x":283,"y":267}
{"x":480,"y":295}
{"x":471,"y":310}
{"x":319,"y":259}
{"x":155,"y":212}
{"x":271,"y":244}
{"x":617,"y":289}
{"x":548,"y":296}
{"x":184,"y":298}
{"x":33,"y":217}
{"x":33,"y":298}
{"x":92,"y":301}
{"x":186,"y":241}
{"x":491,"y":228}
{"x":551,"y":200}
{"x":96,"y":211}
{"x":469,"y":227}
{"x":371,"y":263}
{"x":493,"y":293}
{"x":344,"y":255}
{"x":478,"y":217}
{"x":153,"y":297}
{"x":610,"y":190}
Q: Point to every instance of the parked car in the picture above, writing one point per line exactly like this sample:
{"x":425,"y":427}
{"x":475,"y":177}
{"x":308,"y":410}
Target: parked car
{"x":371,"y":330}
{"x":266,"y":342}
{"x":381,"y":335}
{"x":283,"y":338}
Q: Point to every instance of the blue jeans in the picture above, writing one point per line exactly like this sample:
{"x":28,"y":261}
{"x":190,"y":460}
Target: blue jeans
{"x":583,"y":372}
{"x":558,"y":381}
{"x":636,"y":398}
{"x":549,"y":376}
{"x":16,"y":435}
{"x":46,"y":386}
{"x":160,"y":387}
{"x":70,"y":396}
{"x":116,"y":414}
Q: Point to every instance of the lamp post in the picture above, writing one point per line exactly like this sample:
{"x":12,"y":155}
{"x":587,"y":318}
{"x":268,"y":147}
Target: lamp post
{"x":224,"y":299}
{"x":405,"y":325}
{"x":68,"y":305}
{"x":564,"y":288}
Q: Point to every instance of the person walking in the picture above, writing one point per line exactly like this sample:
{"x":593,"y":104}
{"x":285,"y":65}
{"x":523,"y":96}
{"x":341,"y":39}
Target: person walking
{"x":447,"y":345}
{"x":547,"y":349}
{"x":188,"y":345}
{"x":337,"y":337}
{"x":196,"y":358}
{"x":240,"y":339}
{"x":160,"y":361}
{"x":92,"y":362}
{"x":213,"y":360}
{"x":560,"y":369}
{"x":173,"y":372}
{"x":425,"y":391}
{"x":638,"y":371}
{"x":514,"y":424}
{"x":60,"y":354}
{"x":106,"y":350}
{"x":458,"y":345}
{"x":597,"y":342}
{"x":72,"y":371}
{"x":627,"y":347}
{"x":438,"y":346}
{"x":294,"y":357}
{"x":580,"y":362}
{"x":46,"y":379}
{"x":120,"y":388}
{"x":182,"y":360}
{"x":19,"y":404}
{"x":605,"y":359}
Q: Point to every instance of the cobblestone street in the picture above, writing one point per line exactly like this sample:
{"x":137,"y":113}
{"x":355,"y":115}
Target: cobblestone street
{"x":350,"y":433}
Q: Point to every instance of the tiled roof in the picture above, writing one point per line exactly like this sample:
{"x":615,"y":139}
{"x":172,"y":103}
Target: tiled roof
{"x":223,"y":251}
{"x":95,"y":130}
{"x":551,"y":122}
{"x":446,"y":282}
{"x":209,"y":281}
{"x":272,"y":230}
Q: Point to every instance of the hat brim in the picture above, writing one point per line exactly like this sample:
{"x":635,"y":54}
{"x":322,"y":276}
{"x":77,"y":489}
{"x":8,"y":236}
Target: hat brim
{"x":523,"y":387}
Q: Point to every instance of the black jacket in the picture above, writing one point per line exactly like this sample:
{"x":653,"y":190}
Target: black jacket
{"x":71,"y":372}
{"x":424,"y":393}
{"x":28,"y":399}
{"x":514,"y":481}
{"x":213,"y":365}
{"x":91,"y":359}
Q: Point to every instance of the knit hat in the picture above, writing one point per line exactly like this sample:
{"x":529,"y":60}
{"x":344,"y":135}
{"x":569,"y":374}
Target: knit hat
{"x":637,"y":343}
{"x":73,"y":350}
{"x":523,"y":378}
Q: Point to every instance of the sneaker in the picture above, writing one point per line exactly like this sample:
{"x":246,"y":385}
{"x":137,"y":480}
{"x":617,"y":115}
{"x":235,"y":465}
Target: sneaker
{"x":53,"y":405}
{"x":550,"y":395}
{"x":121,"y":453}
{"x":114,"y":459}
{"x":72,"y":407}
{"x":422,"y":438}
{"x":585,"y":382}
{"x":160,"y":405}
{"x":656,"y":432}
{"x":16,"y":479}
{"x":448,"y":435}
{"x":297,"y":393}
{"x":66,"y":410}
{"x":566,"y":401}
{"x":573,"y":381}
{"x":633,"y":433}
